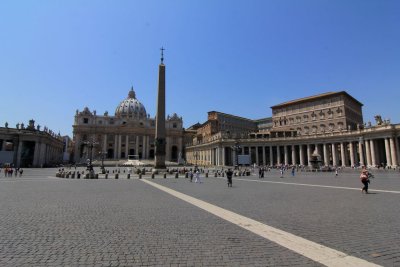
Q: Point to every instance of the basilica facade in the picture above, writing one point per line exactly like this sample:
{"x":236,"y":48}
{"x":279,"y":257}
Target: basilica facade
{"x":129,"y":134}
{"x":329,"y":125}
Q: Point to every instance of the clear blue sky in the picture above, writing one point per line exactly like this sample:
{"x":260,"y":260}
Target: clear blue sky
{"x":238,"y":57}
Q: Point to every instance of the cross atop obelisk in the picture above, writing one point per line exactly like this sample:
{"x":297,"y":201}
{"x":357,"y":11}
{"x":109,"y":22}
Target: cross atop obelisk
{"x":162,"y":55}
{"x":160,"y":144}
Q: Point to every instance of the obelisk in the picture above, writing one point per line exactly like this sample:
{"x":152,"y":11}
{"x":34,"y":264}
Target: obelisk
{"x":160,"y":117}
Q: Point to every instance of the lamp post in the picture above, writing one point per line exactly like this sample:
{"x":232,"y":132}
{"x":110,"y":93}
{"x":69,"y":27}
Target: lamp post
{"x":90,"y":145}
{"x":102,"y":154}
{"x":236,"y":148}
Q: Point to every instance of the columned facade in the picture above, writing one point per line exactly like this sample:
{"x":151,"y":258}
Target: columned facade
{"x":350,"y":149}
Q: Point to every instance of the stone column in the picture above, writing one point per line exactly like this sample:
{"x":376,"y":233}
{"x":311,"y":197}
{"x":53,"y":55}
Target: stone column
{"x":309,"y":153}
{"x":119,"y":145}
{"x":361,"y":152}
{"x":36,"y":154}
{"x":42,"y":157}
{"x":278,"y":155}
{"x":352,"y":163}
{"x":334,"y":155}
{"x":387,"y":150}
{"x":343,"y":154}
{"x":356,"y":159}
{"x":368,"y":153}
{"x":116,"y":146}
{"x":271,"y":156}
{"x":217,"y":155}
{"x":393,"y":151}
{"x":137,"y":146}
{"x":301,"y":151}
{"x":144,"y":147}
{"x":104,"y":144}
{"x":126,"y":146}
{"x":294,"y":158}
{"x":223,"y":156}
{"x":286,"y":154}
{"x":264,"y":156}
{"x":326,"y":154}
{"x":220,"y":157}
{"x":373,"y":155}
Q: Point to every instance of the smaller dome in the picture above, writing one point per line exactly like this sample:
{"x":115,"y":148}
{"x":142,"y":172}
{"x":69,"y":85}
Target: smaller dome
{"x":131,"y":107}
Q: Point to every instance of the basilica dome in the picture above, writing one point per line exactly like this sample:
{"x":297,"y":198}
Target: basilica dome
{"x":131,"y":107}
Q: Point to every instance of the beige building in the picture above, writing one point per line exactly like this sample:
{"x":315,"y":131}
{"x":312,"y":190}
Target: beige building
{"x":129,"y":133}
{"x":333,"y":111}
{"x":30,"y":146}
{"x":329,"y":124}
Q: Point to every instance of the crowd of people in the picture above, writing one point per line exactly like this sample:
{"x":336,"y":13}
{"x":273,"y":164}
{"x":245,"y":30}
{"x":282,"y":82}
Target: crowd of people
{"x":9,"y":171}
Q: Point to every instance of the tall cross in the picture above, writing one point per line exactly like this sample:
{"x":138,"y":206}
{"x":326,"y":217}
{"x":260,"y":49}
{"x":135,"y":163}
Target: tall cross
{"x":162,"y":54}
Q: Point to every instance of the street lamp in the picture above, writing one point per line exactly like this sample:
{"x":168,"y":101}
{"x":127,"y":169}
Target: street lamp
{"x":102,"y":154}
{"x":90,"y":145}
{"x":236,"y":148}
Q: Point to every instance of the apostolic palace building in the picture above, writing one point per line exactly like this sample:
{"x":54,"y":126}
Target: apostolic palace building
{"x":329,"y":125}
{"x":128,"y":134}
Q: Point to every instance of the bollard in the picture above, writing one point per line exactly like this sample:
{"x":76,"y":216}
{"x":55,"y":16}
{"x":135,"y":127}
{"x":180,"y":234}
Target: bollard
{"x":206,"y":174}
{"x":116,"y":176}
{"x":96,"y":176}
{"x":78,"y":176}
{"x":73,"y":175}
{"x":152,"y":176}
{"x":176,"y":175}
{"x":128,"y":176}
{"x":67,"y":176}
{"x":106,"y":176}
{"x":140,"y":176}
{"x":240,"y":174}
{"x":223,"y":174}
{"x":215,"y":174}
{"x":187,"y":175}
{"x":87,"y":176}
{"x":165,"y":175}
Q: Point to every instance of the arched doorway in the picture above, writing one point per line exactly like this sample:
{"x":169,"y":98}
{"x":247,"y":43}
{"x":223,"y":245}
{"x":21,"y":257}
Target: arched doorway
{"x":151,"y":154}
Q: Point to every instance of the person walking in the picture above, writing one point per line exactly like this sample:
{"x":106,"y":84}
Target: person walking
{"x":191,"y":175}
{"x":364,"y":177}
{"x":198,"y":180}
{"x":281,"y":172}
{"x":229,"y":174}
{"x":293,"y":170}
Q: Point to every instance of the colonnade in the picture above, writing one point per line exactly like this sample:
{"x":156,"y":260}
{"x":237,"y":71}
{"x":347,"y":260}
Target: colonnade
{"x":371,"y":152}
{"x":26,"y":154}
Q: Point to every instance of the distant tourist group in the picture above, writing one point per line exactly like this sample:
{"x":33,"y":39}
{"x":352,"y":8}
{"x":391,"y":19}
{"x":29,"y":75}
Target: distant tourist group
{"x":8,"y":171}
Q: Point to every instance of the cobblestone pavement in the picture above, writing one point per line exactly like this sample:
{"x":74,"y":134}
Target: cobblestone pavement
{"x":48,"y":221}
